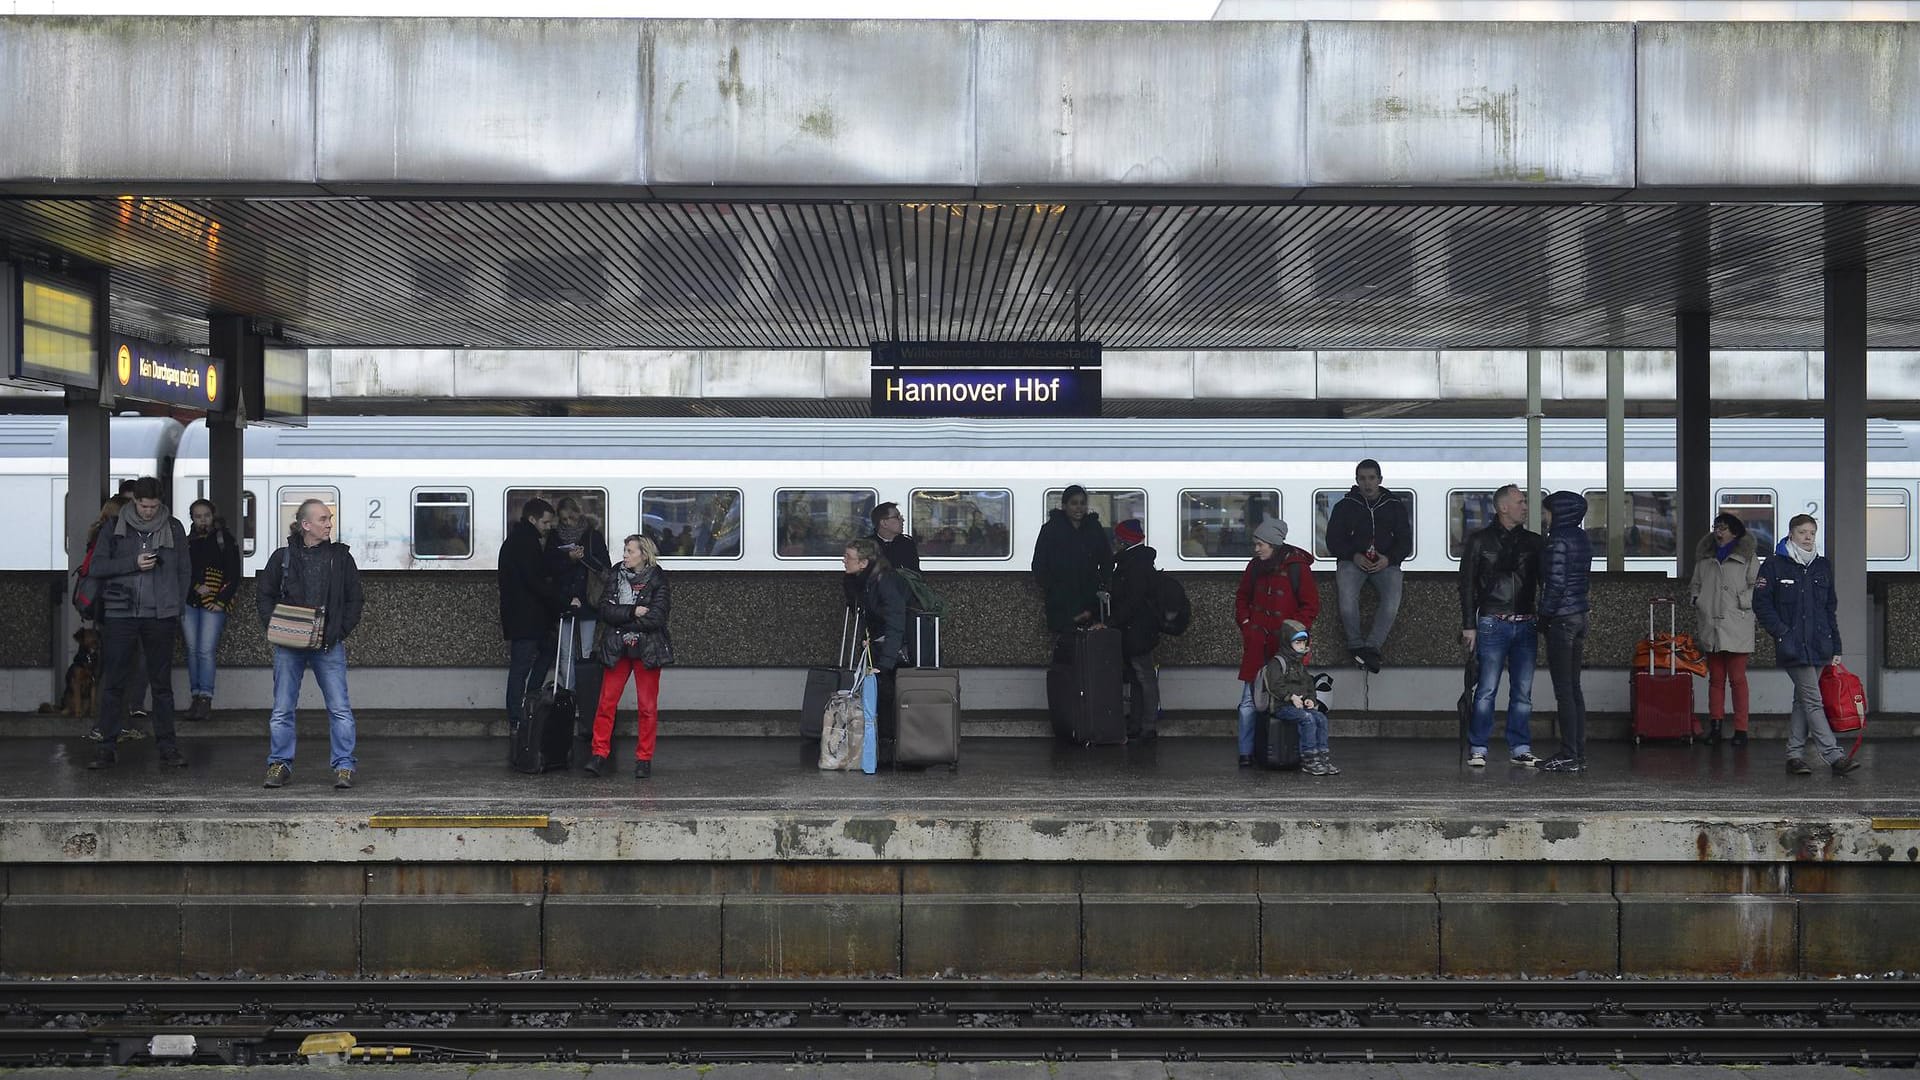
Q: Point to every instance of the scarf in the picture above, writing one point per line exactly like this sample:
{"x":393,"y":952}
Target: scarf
{"x":571,"y":535}
{"x":626,"y":593}
{"x":157,"y":528}
{"x":1795,"y":552}
{"x":1721,"y":551}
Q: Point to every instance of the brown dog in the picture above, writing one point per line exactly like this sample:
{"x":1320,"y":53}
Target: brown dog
{"x":82,"y":694}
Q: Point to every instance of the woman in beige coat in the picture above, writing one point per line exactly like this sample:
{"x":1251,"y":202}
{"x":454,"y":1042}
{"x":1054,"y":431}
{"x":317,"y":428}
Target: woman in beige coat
{"x":1725,"y":562}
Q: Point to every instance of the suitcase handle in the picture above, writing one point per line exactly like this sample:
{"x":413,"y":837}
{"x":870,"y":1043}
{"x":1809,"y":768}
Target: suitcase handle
{"x":850,"y":621}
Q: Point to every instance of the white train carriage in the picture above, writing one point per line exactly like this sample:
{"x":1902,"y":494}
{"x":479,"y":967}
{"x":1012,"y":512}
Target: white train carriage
{"x":33,"y":479}
{"x":725,"y":494}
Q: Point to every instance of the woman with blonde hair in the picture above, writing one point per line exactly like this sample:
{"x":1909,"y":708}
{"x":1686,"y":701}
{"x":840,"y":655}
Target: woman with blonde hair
{"x":633,"y":641}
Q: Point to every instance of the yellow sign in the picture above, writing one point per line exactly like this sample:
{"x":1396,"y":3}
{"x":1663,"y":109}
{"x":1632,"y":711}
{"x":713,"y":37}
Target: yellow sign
{"x":123,"y":365}
{"x":213,"y":384}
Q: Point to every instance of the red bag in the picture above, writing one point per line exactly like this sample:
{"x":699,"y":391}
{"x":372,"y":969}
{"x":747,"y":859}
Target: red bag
{"x":1845,"y":701}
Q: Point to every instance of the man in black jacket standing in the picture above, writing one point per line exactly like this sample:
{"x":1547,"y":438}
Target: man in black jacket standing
{"x":1136,"y":614}
{"x":1499,"y":584}
{"x":530,"y":605}
{"x":1072,"y":561}
{"x":144,"y":567}
{"x":312,"y":571}
{"x":1369,"y":533}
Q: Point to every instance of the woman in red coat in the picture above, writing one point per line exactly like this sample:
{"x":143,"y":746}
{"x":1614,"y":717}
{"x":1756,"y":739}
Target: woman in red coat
{"x":1277,"y":585}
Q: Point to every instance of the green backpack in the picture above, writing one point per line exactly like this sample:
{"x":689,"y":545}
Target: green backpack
{"x":920,"y":595}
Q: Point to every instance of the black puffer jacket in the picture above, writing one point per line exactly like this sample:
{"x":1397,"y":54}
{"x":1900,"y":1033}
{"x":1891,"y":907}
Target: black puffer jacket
{"x":1071,"y":563}
{"x":1499,"y":573}
{"x":1568,"y":558}
{"x":652,"y":643}
{"x":883,"y":603}
{"x":1136,"y":612}
{"x":1383,"y":524}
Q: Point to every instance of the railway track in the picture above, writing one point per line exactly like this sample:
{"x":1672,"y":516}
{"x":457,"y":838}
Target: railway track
{"x":1708,"y":1022}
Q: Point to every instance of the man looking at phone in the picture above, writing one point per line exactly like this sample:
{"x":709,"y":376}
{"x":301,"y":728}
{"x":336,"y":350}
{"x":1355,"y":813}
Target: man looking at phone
{"x":145,"y":571}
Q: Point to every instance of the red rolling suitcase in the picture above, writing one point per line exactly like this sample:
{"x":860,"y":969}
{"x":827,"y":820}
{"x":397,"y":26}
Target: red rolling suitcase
{"x":1662,"y":700}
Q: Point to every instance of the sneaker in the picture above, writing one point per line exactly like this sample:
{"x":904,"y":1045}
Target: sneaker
{"x":1327,"y":767}
{"x":1563,"y":763}
{"x":1477,"y":759}
{"x":172,"y":758}
{"x":132,"y":734}
{"x":1844,"y":766}
{"x":1739,"y":738}
{"x":1524,"y":758}
{"x":1312,"y":766}
{"x":1246,"y":761}
{"x":1798,"y":767}
{"x":343,"y":779}
{"x":137,"y":714}
{"x":642,"y":769}
{"x":102,"y":759}
{"x":93,"y":735}
{"x":596,"y":765}
{"x":1372,"y":659}
{"x":201,"y":708}
{"x":278,"y":774}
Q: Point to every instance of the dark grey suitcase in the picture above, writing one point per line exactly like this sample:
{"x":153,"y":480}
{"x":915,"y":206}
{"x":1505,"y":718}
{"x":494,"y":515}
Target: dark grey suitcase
{"x":927,"y":708}
{"x":822,"y":682}
{"x":1084,"y":689}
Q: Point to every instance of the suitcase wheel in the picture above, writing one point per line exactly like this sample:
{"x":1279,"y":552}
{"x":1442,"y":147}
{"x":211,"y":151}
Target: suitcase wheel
{"x":1636,"y":740}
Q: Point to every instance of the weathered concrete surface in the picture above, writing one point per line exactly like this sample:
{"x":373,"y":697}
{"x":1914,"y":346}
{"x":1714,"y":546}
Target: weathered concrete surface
{"x":1334,"y":933}
{"x":1171,"y":935}
{"x":270,"y":935}
{"x":775,"y":937}
{"x":1514,"y":934}
{"x":450,"y":934}
{"x":1022,"y":935}
{"x":1754,"y":937}
{"x":631,"y":937}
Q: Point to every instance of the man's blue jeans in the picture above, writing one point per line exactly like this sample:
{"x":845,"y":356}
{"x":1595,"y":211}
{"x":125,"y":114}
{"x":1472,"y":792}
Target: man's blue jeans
{"x":202,"y":627}
{"x":1514,"y":646}
{"x":330,"y":671}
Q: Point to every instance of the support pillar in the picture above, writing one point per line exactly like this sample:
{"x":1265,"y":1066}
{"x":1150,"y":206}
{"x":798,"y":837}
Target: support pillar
{"x":1845,"y":528}
{"x":89,"y":482}
{"x":1617,"y":512}
{"x":1693,"y":433}
{"x":233,"y":339}
{"x":1533,"y":440}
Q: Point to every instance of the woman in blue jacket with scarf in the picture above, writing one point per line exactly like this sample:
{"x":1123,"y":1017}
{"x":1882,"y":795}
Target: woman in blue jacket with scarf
{"x":1793,"y":598}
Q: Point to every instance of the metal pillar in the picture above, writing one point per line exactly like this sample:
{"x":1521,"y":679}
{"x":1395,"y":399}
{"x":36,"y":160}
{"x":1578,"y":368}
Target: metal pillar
{"x":1533,"y":440}
{"x":1845,"y":527}
{"x":1693,"y":434}
{"x":89,"y":480}
{"x":232,"y":339}
{"x":1617,"y":512}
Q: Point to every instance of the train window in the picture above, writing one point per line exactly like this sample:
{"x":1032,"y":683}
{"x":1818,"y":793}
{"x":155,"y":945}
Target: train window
{"x":249,"y":521}
{"x":816,"y":524}
{"x":1220,"y":524}
{"x":964,"y":524}
{"x":1756,"y":508}
{"x":1114,"y":505}
{"x":1467,"y":513}
{"x":443,"y":524}
{"x":292,"y":497}
{"x":592,"y":503}
{"x":686,"y":522}
{"x":1652,"y":524}
{"x":1887,"y":521}
{"x":1323,"y":504}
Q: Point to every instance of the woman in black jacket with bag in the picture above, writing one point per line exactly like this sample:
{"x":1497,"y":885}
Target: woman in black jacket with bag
{"x":633,"y":639}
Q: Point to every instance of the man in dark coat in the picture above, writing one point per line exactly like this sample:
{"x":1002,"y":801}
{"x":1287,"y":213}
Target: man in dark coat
{"x":1564,"y":567}
{"x":1136,"y":614}
{"x":530,"y":605}
{"x":1071,"y":561}
{"x":312,"y":571}
{"x":144,"y":567}
{"x":1499,"y":589}
{"x":1369,"y":534}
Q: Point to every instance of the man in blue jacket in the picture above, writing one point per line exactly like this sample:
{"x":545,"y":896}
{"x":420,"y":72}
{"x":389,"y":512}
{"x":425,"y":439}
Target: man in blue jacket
{"x":1564,"y":565}
{"x":1794,"y":599}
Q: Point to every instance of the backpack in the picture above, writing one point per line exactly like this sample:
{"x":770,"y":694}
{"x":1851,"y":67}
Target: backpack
{"x":920,"y":595}
{"x":1170,"y":601}
{"x":86,"y":591}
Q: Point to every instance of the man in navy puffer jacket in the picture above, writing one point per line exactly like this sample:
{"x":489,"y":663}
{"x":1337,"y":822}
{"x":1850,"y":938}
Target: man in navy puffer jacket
{"x":1564,"y":565}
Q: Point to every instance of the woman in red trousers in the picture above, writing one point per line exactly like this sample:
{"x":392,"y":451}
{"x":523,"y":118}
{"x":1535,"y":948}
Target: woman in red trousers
{"x":633,"y":640}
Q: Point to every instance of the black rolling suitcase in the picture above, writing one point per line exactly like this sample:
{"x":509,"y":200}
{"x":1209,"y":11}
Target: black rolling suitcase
{"x":1276,"y":741}
{"x":1084,"y":688}
{"x":823,"y":682}
{"x":543,"y":741}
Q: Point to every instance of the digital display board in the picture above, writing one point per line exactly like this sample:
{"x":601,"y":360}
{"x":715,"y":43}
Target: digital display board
{"x":53,"y":333}
{"x":283,"y":397}
{"x":985,"y":379}
{"x":146,"y":371}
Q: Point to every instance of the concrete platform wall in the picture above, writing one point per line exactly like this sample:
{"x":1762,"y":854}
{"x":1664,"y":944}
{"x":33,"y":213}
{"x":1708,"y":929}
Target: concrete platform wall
{"x":959,"y":919}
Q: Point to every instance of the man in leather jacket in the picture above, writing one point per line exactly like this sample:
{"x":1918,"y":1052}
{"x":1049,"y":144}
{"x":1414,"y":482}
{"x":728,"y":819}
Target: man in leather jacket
{"x":1499,"y":583}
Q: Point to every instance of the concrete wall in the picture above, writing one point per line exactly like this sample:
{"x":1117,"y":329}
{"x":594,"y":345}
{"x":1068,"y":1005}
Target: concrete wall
{"x":1093,"y":920}
{"x":953,"y":108}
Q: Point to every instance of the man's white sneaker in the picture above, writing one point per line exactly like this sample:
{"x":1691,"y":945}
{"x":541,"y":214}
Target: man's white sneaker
{"x":1524,"y":758}
{"x":1477,"y":759}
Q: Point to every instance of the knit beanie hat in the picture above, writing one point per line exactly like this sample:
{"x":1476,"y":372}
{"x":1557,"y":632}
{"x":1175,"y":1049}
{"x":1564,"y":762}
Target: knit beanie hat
{"x":1272,"y":531}
{"x":1130,"y":532}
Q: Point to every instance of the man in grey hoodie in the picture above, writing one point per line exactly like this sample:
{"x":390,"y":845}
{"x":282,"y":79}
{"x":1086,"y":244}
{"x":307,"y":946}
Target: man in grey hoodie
{"x":145,"y":571}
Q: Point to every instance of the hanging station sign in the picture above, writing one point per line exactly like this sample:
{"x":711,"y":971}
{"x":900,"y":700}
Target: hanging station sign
{"x":1033,"y":380}
{"x":146,"y":371}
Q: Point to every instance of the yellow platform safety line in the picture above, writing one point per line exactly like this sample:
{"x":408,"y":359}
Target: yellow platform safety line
{"x":457,"y":821}
{"x":1889,"y":824}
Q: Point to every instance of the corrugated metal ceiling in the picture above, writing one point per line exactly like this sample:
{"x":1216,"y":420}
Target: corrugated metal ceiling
{"x":612,"y":274}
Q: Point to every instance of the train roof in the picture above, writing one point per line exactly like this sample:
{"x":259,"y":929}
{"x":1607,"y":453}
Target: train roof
{"x":45,"y":436}
{"x":544,"y":438}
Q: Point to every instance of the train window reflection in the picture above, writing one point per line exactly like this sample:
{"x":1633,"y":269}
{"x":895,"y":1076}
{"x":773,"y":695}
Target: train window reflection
{"x":964,"y":524}
{"x":1114,"y":505}
{"x":1887,"y":521}
{"x":1652,"y":524}
{"x":817,"y":524}
{"x":443,"y":524}
{"x":1470,"y":511}
{"x":1220,"y":524}
{"x":692,"y":522}
{"x":292,"y":497}
{"x":1756,"y":508}
{"x":1326,"y":499}
{"x":592,"y":501}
